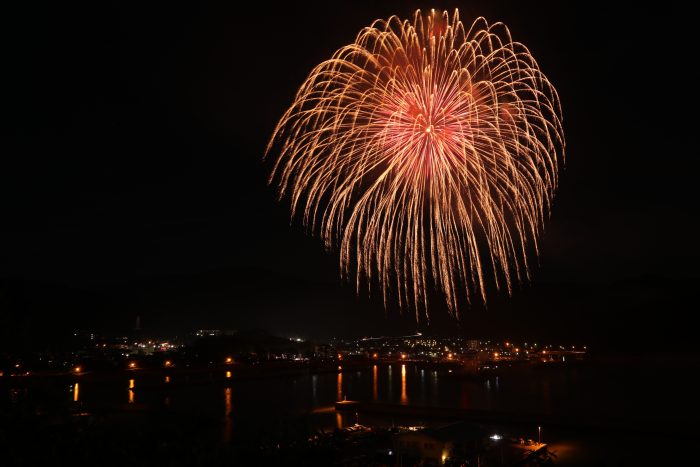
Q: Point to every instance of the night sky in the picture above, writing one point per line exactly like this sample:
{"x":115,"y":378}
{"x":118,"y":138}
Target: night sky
{"x":134,"y":182}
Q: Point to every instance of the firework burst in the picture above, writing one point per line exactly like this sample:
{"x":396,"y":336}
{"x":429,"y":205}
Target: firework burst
{"x":428,"y":153}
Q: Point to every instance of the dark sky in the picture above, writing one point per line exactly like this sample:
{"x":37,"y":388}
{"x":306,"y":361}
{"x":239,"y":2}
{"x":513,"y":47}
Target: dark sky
{"x":133,"y":183}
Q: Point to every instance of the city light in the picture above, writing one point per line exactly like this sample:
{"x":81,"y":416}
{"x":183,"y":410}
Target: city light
{"x":168,"y":363}
{"x":495,"y":437}
{"x":77,"y":369}
{"x":229,"y":360}
{"x":132,"y":365}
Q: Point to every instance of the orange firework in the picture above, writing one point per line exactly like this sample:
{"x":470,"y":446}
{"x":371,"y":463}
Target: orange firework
{"x":428,"y":152}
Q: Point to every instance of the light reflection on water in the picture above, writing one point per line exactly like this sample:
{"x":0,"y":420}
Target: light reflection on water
{"x":228,"y":419}
{"x":262,"y":403}
{"x":340,"y":386}
{"x":375,"y":384}
{"x":404,"y":394}
{"x":389,"y":383}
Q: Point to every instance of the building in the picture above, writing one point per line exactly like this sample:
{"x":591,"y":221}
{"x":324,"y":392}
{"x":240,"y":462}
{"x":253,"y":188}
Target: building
{"x":453,"y":443}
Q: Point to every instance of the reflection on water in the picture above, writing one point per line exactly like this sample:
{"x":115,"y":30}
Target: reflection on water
{"x":404,"y":396}
{"x":340,"y":386}
{"x":167,"y":379}
{"x":389,"y":386}
{"x":375,"y":384}
{"x":435,"y":387}
{"x":559,"y":391}
{"x":338,"y":420}
{"x":228,"y":374}
{"x":228,"y":420}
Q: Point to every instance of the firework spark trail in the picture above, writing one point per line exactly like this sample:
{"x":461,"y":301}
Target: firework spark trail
{"x":427,"y":152}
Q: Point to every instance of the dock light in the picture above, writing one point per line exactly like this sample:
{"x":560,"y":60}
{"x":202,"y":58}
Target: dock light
{"x":229,"y":359}
{"x":495,"y":437}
